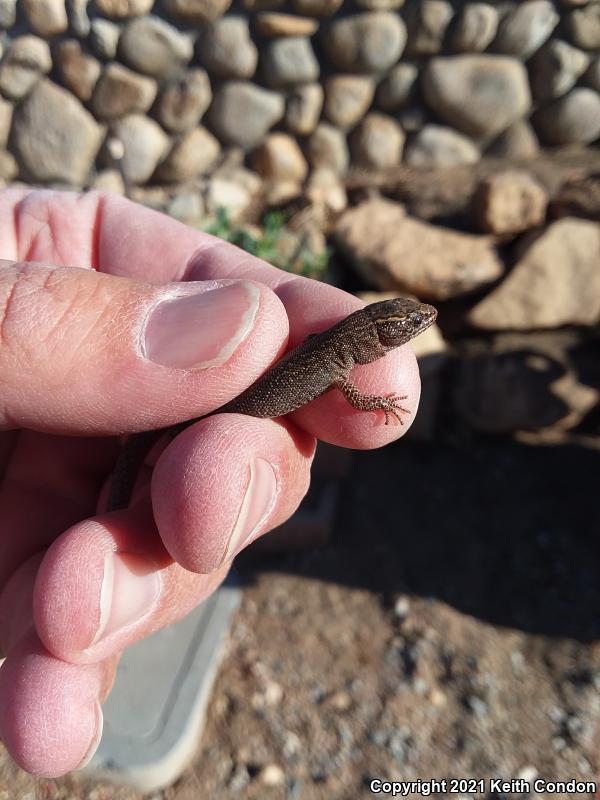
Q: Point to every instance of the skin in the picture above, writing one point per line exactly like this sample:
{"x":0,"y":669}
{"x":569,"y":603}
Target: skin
{"x":73,"y":377}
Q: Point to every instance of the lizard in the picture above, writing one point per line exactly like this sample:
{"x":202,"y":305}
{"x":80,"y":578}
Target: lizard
{"x":321,"y":363}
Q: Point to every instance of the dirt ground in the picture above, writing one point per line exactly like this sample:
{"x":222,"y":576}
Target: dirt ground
{"x":449,"y":631}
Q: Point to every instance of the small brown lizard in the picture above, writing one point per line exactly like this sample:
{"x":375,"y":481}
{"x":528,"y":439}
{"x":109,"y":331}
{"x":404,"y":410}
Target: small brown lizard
{"x":322,"y":362}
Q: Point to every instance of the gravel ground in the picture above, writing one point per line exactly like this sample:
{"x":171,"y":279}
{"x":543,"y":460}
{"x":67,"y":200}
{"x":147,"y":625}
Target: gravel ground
{"x":449,"y":631}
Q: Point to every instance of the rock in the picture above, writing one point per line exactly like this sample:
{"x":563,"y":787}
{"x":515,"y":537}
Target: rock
{"x":437,"y":146}
{"x":579,"y":196}
{"x":108,"y":180}
{"x":196,"y":11}
{"x":317,"y":8}
{"x":192,"y":155}
{"x":497,"y":88}
{"x":104,"y":38}
{"x":395,"y":252}
{"x":242,"y":113}
{"x":8,"y":13}
{"x":555,"y":69}
{"x":583,"y":26}
{"x":509,"y":202}
{"x":55,"y":138}
{"x":79,"y":22}
{"x":592,"y":75}
{"x":272,"y":775}
{"x":556,"y":281}
{"x":78,"y":71}
{"x":25,"y":61}
{"x":325,"y":192}
{"x":233,"y":192}
{"x":152,"y":46}
{"x":279,"y":159}
{"x":427,"y":23}
{"x":46,"y":17}
{"x":327,"y":147}
{"x":398,"y":87}
{"x":377,"y":142}
{"x":121,"y":9}
{"x":303,"y":108}
{"x":183,"y":101}
{"x":518,"y":141}
{"x":289,"y":61}
{"x":121,"y":91}
{"x":525,"y":28}
{"x":227,"y":50}
{"x":474,"y":28}
{"x":9,"y":169}
{"x":574,"y":118}
{"x":380,"y":5}
{"x":6,"y":115}
{"x":271,"y":24}
{"x":144,"y":146}
{"x":347,"y":98}
{"x":369,"y":42}
{"x":188,"y":207}
{"x":521,"y":382}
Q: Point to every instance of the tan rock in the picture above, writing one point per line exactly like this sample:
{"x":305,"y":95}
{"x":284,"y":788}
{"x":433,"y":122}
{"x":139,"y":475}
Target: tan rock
{"x":78,"y":71}
{"x":55,"y":138}
{"x":144,"y":143}
{"x":122,"y":91}
{"x":377,"y":142}
{"x":191,"y":155}
{"x":184,"y":100}
{"x":197,"y":11}
{"x":46,"y":17}
{"x":509,"y":202}
{"x":233,"y":191}
{"x":317,"y":8}
{"x":270,"y":24}
{"x":347,"y":98}
{"x":393,"y":251}
{"x":279,"y":158}
{"x":555,"y":282}
{"x":24,"y":63}
{"x":108,"y":180}
{"x":121,"y":9}
{"x":327,"y":147}
{"x":9,"y":169}
{"x":303,"y":108}
{"x":6,"y":113}
{"x":325,"y":191}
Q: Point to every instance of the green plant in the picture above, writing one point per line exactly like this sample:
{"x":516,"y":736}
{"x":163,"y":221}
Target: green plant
{"x":273,"y":242}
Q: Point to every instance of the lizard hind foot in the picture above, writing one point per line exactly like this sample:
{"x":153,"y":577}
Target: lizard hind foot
{"x":391,"y":407}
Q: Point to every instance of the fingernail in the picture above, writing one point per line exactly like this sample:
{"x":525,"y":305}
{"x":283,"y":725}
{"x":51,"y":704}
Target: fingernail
{"x":257,"y":504}
{"x":97,"y":735}
{"x":200,"y":329}
{"x":130,"y":588}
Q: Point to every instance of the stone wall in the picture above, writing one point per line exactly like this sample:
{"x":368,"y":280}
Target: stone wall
{"x":293,"y":83}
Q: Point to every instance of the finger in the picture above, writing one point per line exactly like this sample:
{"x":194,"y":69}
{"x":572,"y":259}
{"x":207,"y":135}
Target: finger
{"x":204,"y":527}
{"x":312,"y":307}
{"x":50,"y":715}
{"x":108,"y":582}
{"x":78,"y":349}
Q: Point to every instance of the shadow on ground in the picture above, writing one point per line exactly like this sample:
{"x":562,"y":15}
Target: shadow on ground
{"x":505,"y":532}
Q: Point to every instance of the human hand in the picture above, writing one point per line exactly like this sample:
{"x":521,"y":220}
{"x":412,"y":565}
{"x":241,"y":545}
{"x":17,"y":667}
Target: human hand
{"x":99,"y":337}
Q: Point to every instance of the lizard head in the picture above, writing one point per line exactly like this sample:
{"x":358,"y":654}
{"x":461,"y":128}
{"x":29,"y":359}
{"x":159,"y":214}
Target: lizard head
{"x":399,"y":320}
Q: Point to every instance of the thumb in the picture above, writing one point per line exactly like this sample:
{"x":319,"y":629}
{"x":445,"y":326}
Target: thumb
{"x":83,"y":352}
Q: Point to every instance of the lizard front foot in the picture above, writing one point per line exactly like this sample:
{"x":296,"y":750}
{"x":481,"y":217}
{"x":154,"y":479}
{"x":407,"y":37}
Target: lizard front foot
{"x":372,"y":402}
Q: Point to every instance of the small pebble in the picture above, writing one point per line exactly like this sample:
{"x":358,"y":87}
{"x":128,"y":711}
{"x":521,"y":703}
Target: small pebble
{"x":272,"y":775}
